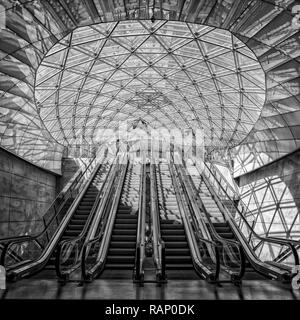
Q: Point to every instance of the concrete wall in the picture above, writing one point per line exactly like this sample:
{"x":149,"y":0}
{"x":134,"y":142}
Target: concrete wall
{"x":69,"y":167}
{"x":26,"y":191}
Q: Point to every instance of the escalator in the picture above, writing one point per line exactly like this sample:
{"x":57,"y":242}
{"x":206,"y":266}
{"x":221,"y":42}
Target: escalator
{"x":177,"y":252}
{"x":223,"y":224}
{"x":110,"y":252}
{"x":223,"y":229}
{"x":75,"y":218}
{"x":121,"y":251}
{"x":220,"y":225}
{"x":82,"y":213}
{"x":183,"y":245}
{"x":208,"y":202}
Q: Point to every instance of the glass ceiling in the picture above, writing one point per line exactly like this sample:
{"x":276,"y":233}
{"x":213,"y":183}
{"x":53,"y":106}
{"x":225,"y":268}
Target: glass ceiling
{"x":30,"y":28}
{"x":170,"y":74}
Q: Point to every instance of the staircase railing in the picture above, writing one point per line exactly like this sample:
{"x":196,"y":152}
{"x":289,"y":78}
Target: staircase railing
{"x":226,"y":192}
{"x":262,"y":261}
{"x":138,"y":274}
{"x":159,"y":253}
{"x":199,"y":246}
{"x":230,"y":190}
{"x":232,"y":258}
{"x":68,"y":256}
{"x":28,"y":248}
{"x":95,"y":248}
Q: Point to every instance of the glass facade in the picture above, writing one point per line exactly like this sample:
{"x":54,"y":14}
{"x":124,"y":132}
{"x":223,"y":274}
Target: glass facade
{"x":68,"y":68}
{"x":170,"y":74}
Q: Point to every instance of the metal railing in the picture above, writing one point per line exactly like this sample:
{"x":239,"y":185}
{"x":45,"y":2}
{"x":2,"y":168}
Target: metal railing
{"x":138,"y":274}
{"x":204,"y":252}
{"x":261,"y":251}
{"x":227,"y":193}
{"x":20,"y":250}
{"x":158,"y":243}
{"x":95,"y":248}
{"x":68,"y":256}
{"x":232,"y":259}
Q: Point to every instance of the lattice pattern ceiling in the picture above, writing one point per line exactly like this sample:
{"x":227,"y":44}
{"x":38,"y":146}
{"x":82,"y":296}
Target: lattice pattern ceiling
{"x":171,"y":74}
{"x":30,"y":28}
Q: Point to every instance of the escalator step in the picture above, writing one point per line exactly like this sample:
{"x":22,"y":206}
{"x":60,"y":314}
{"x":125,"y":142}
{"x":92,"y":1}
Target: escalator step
{"x":121,"y":251}
{"x":74,"y":227}
{"x":120,"y":259}
{"x":80,"y":217}
{"x":122,"y":208}
{"x":176,"y":244}
{"x":78,"y":221}
{"x":85,"y":206}
{"x":125,"y":221}
{"x":166,"y":222}
{"x":177,"y":251}
{"x":173,"y":226}
{"x":174,"y":266}
{"x":83,"y":211}
{"x":124,"y":231}
{"x":223,"y":229}
{"x":125,"y":226}
{"x":220,"y":224}
{"x":129,"y":238}
{"x":119,"y":266}
{"x":178,"y":259}
{"x":172,"y":232}
{"x":174,"y":238}
{"x":126,"y":216}
{"x":117,"y":244}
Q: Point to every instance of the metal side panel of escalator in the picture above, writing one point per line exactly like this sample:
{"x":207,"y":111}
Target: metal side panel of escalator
{"x":75,"y":219}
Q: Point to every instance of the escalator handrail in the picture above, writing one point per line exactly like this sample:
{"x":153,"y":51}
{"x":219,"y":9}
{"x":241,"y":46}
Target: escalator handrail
{"x":195,"y":198}
{"x":240,"y":200}
{"x":253,"y":258}
{"x":34,"y":238}
{"x":204,"y":271}
{"x":158,"y":243}
{"x":215,"y":235}
{"x":187,"y":189}
{"x":78,"y":241}
{"x":287,"y":242}
{"x":106,"y":225}
{"x":295,"y":242}
{"x":204,"y":210}
{"x":36,"y":264}
{"x":94,"y":232}
{"x":234,"y":191}
{"x":70,"y":186}
{"x":140,"y":239}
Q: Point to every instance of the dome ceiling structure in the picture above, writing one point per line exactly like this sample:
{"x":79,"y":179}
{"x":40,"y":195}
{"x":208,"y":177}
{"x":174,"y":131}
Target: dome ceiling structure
{"x":30,"y":28}
{"x":170,"y":74}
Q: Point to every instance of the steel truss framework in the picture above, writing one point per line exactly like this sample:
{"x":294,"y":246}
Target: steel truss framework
{"x":269,"y":28}
{"x":32,"y":28}
{"x":270,"y":206}
{"x":170,"y":74}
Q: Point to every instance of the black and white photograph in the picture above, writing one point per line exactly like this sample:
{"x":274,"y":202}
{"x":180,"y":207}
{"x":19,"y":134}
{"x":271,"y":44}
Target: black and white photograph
{"x":150,"y":157}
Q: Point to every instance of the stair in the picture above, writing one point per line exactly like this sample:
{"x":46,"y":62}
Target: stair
{"x":81,"y":214}
{"x":220,"y":225}
{"x":224,"y":230}
{"x":178,"y":256}
{"x":121,"y":251}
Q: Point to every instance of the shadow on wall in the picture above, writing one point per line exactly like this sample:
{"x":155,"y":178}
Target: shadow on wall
{"x":26,"y":191}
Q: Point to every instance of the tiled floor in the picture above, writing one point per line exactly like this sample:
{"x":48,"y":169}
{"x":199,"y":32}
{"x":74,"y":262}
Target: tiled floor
{"x":125,"y":289}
